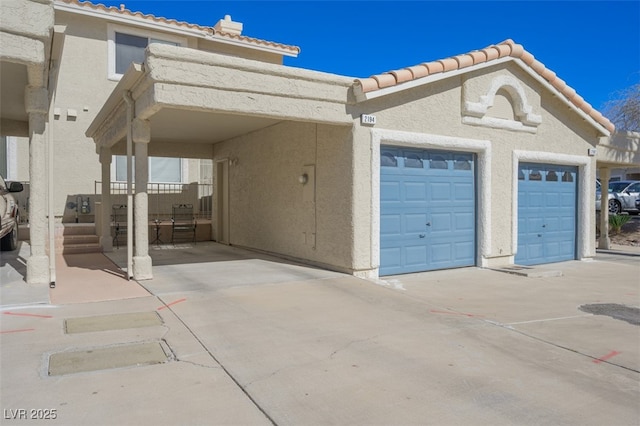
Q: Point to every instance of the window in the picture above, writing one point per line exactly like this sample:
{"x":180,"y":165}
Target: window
{"x":412,"y":161}
{"x":535,"y":175}
{"x":462,"y":162}
{"x":438,"y":162}
{"x":387,"y":159}
{"x":161,"y":169}
{"x":127,"y":45}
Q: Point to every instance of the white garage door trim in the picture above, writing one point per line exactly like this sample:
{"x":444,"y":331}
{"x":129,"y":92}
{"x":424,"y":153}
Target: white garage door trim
{"x":585,"y":188}
{"x":482,"y":149}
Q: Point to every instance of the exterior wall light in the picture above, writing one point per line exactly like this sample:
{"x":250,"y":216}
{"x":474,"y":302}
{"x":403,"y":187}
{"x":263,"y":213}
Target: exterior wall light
{"x":303,"y":179}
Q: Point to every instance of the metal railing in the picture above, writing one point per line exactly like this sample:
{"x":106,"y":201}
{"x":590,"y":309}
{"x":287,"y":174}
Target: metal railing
{"x":162,"y":196}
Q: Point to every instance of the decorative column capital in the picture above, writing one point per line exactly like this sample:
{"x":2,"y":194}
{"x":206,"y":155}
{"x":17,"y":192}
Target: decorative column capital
{"x":141,"y":130}
{"x":36,"y":100}
{"x":105,"y":155}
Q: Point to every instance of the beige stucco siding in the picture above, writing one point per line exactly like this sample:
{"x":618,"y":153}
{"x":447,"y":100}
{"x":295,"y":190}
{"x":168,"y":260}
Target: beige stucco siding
{"x":271,"y":210}
{"x":83,"y":87}
{"x":437,"y":109}
{"x":81,"y":91}
{"x":231,"y":50}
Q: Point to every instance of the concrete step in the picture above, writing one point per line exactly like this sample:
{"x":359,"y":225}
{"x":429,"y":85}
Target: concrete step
{"x":76,"y":229}
{"x":68,"y":240}
{"x":81,"y":248}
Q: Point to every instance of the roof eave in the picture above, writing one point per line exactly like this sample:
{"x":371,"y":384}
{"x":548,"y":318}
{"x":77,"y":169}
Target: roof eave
{"x":131,"y":20}
{"x":269,"y":49}
{"x":166,"y":27}
{"x":365,"y":96}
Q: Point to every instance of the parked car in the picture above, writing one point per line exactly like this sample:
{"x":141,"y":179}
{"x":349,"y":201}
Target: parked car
{"x":622,"y":196}
{"x":9,"y":215}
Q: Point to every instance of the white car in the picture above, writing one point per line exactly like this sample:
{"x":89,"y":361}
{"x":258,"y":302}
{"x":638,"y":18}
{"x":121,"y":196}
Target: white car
{"x":8,"y":215}
{"x":622,"y":196}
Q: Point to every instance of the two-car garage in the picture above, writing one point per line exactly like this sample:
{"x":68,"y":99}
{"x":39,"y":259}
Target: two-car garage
{"x":428,"y":211}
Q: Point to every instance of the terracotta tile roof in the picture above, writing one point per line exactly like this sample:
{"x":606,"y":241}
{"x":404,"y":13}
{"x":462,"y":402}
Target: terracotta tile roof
{"x":122,"y":11}
{"x":500,"y":50}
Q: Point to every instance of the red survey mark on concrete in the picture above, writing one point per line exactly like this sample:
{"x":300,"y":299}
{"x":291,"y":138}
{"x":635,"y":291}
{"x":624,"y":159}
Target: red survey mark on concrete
{"x":172,"y":303}
{"x":606,"y":357}
{"x":17,"y":331}
{"x":28,"y":315}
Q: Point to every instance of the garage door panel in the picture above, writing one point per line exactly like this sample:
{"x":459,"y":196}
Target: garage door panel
{"x":440,"y":191}
{"x":463,"y":191}
{"x":415,"y":191}
{"x":390,"y":224}
{"x":393,"y":256}
{"x":464,"y":252}
{"x":546,"y":213}
{"x":441,"y":253}
{"x":535,"y":199}
{"x":553,"y":199}
{"x":440,"y":222}
{"x":390,"y":191}
{"x":415,"y":223}
{"x":415,"y":255}
{"x":464,"y":221}
{"x":427,"y":203}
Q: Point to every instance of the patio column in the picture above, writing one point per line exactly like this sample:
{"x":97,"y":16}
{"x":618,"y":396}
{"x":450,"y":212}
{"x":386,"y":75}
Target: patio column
{"x":142,"y":266}
{"x":106,"y":242}
{"x":36,"y":102}
{"x":604,"y":242}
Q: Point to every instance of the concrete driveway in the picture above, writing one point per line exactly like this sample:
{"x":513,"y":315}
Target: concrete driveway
{"x":252,"y":340}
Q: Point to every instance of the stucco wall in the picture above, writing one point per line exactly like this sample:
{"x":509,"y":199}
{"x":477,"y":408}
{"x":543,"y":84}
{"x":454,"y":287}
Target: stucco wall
{"x":83,"y":87}
{"x":226,"y":49}
{"x":437,"y":109}
{"x":271,"y":210}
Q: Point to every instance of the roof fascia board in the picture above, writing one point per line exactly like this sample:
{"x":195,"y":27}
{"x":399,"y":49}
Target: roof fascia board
{"x":128,"y":80}
{"x":441,"y":76}
{"x":156,"y":26}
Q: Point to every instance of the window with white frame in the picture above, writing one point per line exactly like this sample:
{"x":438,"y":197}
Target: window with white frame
{"x":127,"y":45}
{"x":161,"y":169}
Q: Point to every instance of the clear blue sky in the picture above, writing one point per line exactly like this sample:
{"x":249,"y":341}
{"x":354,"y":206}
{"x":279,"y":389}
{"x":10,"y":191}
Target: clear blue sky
{"x":593,"y":45}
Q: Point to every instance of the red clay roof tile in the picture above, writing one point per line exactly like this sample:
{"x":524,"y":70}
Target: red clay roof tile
{"x":464,"y":60}
{"x":179,"y":24}
{"x":488,"y":54}
{"x":418,"y":71}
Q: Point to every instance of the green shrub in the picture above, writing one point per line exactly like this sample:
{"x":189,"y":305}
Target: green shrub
{"x":617,"y":221}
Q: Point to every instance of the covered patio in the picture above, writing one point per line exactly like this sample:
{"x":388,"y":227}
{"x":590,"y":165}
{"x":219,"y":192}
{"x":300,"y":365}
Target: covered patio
{"x":182,"y":102}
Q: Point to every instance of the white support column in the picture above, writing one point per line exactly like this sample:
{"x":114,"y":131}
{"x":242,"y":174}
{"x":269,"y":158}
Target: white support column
{"x":142,"y":265}
{"x":106,"y":241}
{"x":36,"y":101}
{"x":604,"y":242}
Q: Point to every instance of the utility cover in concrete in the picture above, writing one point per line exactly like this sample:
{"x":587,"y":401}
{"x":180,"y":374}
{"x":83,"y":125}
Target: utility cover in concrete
{"x":112,"y":322}
{"x":106,"y":358}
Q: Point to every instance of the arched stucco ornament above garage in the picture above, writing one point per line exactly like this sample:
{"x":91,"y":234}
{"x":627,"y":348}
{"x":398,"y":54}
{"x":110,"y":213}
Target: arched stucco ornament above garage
{"x":476,"y":112}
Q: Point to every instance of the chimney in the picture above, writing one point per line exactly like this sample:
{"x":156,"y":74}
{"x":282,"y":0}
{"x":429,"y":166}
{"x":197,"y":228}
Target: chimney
{"x":226,"y":25}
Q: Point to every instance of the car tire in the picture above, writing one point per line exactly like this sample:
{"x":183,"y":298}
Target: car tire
{"x":615,"y":207}
{"x":10,"y":241}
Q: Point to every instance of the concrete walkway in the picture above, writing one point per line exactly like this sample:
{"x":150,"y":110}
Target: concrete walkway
{"x":250,"y":339}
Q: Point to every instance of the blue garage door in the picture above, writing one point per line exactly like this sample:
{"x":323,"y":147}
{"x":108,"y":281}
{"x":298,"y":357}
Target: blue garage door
{"x":546,"y":213}
{"x":427,"y":210}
